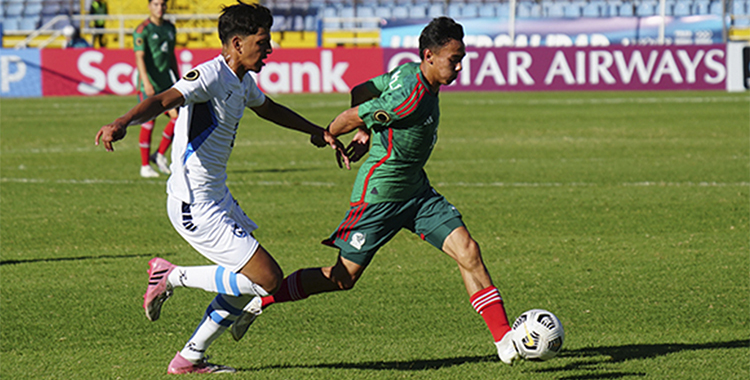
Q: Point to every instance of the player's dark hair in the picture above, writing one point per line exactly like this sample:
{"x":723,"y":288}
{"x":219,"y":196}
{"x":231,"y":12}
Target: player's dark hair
{"x":438,"y":33}
{"x":243,"y":20}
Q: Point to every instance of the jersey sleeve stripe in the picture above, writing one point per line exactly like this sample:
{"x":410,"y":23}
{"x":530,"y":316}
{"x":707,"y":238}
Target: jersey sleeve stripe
{"x":409,"y":99}
{"x":411,"y":102}
{"x":142,"y":26}
{"x":413,"y":105}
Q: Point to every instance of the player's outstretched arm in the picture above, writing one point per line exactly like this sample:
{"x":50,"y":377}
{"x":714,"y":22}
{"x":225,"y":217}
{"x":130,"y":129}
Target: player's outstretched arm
{"x":141,"y":113}
{"x":362,"y":93}
{"x":285,"y":117}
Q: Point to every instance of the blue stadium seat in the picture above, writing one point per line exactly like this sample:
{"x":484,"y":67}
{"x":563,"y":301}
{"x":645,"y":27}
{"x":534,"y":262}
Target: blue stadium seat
{"x":363,"y":11}
{"x":14,"y":10}
{"x":417,"y":11}
{"x":645,"y":8}
{"x":502,"y":10}
{"x":347,"y":12}
{"x":555,"y":10}
{"x":317,"y":3}
{"x":681,"y":8}
{"x":715,"y":8}
{"x":10,"y":24}
{"x":700,"y":7}
{"x":572,"y":10}
{"x":311,"y":22}
{"x":29,"y":23}
{"x":592,"y":9}
{"x":383,"y":12}
{"x":523,"y":9}
{"x":738,"y":7}
{"x":50,"y":9}
{"x":487,"y":10}
{"x":327,"y":12}
{"x":536,"y":10}
{"x":400,"y":12}
{"x":470,"y":11}
{"x":435,"y":10}
{"x":454,"y":10}
{"x":625,"y":9}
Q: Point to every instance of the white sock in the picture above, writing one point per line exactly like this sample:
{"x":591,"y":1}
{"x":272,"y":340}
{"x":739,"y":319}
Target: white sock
{"x":215,"y":279}
{"x":220,"y":314}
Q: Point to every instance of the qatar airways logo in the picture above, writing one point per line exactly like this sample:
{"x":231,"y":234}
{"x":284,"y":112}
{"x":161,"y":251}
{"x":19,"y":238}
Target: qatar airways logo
{"x":570,"y":67}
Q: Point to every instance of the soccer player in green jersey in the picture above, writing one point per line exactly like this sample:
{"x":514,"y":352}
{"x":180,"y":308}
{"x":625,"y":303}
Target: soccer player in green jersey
{"x":153,"y":43}
{"x":398,"y":113}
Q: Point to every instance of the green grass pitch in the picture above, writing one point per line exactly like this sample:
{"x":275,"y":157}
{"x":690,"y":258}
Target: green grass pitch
{"x":624,"y":213}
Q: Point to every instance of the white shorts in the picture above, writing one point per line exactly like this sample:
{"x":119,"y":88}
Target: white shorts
{"x":220,"y":231}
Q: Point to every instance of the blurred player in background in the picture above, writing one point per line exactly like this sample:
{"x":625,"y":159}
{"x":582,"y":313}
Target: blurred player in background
{"x":153,"y":43}
{"x":98,"y":8}
{"x":213,"y":97}
{"x":73,"y":38}
{"x":398,"y":113}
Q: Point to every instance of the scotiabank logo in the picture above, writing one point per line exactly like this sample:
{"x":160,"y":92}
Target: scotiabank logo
{"x":113,"y":72}
{"x":119,"y":78}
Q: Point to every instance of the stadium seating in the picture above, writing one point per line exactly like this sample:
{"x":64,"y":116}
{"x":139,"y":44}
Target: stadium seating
{"x":572,"y":10}
{"x":555,"y":10}
{"x":435,"y":10}
{"x":20,"y":14}
{"x":625,"y":9}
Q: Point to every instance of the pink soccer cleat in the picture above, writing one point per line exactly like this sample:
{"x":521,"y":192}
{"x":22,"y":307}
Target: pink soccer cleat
{"x":158,"y":289}
{"x":180,"y":365}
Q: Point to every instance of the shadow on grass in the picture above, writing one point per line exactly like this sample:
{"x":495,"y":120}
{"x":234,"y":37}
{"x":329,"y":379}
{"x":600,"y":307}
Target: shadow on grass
{"x":586,"y":360}
{"x":591,"y":359}
{"x":413,"y":365}
{"x":59,"y":259}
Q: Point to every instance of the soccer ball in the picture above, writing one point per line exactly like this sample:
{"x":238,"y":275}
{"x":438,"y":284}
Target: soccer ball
{"x":538,"y":335}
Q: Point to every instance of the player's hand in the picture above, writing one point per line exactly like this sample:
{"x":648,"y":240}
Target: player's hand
{"x":109,"y":134}
{"x":359,"y":146}
{"x":318,"y":141}
{"x":148,"y":89}
{"x":326,"y":138}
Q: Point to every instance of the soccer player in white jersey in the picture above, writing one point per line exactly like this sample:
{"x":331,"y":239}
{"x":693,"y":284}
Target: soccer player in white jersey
{"x":212,"y":98}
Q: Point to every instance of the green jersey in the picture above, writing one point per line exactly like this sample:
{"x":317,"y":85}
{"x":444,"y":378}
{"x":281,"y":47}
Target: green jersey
{"x":403,"y":121}
{"x":157,"y":41}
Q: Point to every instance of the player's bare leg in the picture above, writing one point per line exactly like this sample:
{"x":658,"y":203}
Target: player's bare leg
{"x":484,"y":296}
{"x":263,"y":270}
{"x":300,"y":285}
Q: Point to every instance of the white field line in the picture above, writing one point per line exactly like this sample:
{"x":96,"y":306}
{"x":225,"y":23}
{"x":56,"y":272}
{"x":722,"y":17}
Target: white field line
{"x":332,"y":184}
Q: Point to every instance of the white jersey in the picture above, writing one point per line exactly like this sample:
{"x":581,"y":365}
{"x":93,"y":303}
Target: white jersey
{"x":215,"y":100}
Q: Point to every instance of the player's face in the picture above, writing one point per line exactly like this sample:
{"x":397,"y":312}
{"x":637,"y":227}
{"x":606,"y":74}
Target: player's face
{"x":447,"y":61}
{"x":255,"y":48}
{"x":157,"y":8}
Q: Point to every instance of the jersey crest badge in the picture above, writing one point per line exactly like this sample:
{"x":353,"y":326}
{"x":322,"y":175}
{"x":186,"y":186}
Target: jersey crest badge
{"x":192,"y":75}
{"x":381,"y":116}
{"x":138,"y":41}
{"x":358,"y":240}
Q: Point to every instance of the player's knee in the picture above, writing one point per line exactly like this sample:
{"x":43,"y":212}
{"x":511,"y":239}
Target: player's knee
{"x":273,"y":283}
{"x":469,"y":256}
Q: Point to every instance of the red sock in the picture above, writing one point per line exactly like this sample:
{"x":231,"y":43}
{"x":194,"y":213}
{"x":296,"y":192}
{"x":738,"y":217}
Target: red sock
{"x":488,"y":303}
{"x":290,"y":290}
{"x":166,"y":137}
{"x":144,"y":141}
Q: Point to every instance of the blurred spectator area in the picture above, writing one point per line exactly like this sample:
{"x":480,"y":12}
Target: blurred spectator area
{"x":309,"y":23}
